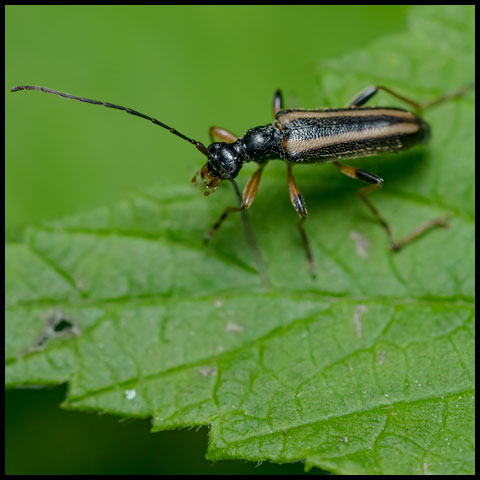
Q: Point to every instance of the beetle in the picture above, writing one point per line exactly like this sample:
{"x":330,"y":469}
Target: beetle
{"x":300,"y":136}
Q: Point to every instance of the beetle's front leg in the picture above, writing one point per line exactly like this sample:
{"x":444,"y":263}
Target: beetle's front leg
{"x":249,"y":193}
{"x":222,"y":134}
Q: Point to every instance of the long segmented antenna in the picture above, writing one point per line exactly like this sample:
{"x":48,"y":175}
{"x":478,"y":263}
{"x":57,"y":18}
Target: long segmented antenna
{"x":200,"y":146}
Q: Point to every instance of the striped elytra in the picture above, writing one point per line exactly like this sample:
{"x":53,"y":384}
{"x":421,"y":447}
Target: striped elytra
{"x":317,"y":136}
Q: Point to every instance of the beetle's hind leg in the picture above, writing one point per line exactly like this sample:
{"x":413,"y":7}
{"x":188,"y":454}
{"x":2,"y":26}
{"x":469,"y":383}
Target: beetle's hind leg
{"x":299,"y":205}
{"x":376,"y":183}
{"x":363,"y":97}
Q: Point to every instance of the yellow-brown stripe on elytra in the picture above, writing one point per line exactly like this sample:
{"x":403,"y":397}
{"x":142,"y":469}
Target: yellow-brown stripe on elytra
{"x":286,"y":116}
{"x":298,"y":145}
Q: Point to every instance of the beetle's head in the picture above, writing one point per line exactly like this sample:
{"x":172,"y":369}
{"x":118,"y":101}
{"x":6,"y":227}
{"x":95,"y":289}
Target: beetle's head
{"x":224,"y":163}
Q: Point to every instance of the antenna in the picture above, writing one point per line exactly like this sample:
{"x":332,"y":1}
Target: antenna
{"x":200,"y":146}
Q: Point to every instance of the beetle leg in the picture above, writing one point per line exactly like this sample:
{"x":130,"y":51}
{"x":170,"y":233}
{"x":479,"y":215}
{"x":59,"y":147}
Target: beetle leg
{"x":277,"y":102}
{"x":299,"y":205}
{"x":222,"y":134}
{"x":376,"y":183}
{"x":364,"y":96}
{"x":249,"y":193}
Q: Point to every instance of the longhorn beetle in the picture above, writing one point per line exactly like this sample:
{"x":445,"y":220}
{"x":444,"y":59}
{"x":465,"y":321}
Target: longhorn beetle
{"x":307,"y":136}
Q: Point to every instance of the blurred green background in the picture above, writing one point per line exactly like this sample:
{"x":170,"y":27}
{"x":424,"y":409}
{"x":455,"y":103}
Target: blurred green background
{"x":189,"y":66}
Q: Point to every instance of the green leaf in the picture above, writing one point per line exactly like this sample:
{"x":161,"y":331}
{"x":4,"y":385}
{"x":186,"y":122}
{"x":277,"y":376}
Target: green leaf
{"x":367,"y":369}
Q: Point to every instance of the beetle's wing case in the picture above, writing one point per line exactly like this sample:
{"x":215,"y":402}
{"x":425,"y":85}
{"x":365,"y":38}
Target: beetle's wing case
{"x":316,"y":136}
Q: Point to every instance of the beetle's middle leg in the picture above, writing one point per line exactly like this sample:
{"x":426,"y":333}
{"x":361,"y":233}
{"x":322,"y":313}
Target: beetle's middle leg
{"x":277,"y":102}
{"x":249,"y":193}
{"x":376,"y":183}
{"x":299,"y":205}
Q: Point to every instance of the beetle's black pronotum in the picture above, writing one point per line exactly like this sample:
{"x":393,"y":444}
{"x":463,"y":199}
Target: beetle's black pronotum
{"x":307,"y":136}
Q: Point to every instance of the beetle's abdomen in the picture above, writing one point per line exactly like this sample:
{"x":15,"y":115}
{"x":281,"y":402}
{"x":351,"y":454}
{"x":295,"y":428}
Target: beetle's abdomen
{"x":312,"y":136}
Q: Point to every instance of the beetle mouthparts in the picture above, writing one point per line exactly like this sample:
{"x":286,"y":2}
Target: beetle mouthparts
{"x":210,"y":180}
